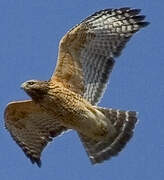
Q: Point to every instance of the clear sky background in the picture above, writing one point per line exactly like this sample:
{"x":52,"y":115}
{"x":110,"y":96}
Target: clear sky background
{"x":29,"y":35}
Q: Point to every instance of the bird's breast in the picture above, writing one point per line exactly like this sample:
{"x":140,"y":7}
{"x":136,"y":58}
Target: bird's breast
{"x":74,"y":112}
{"x":64,"y":102}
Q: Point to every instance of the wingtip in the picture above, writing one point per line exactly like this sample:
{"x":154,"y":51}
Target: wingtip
{"x":135,"y":11}
{"x":144,"y":24}
{"x":39,"y":163}
{"x":36,"y":161}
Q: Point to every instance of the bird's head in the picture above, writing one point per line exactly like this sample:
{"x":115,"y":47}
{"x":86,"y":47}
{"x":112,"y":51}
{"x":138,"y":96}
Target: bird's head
{"x":36,"y":89}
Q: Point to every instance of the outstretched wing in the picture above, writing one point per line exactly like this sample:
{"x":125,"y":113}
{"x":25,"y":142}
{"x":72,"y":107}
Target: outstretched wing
{"x":86,"y":53}
{"x":31,"y":127}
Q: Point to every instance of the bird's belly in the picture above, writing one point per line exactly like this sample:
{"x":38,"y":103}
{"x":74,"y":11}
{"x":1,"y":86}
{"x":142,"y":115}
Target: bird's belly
{"x":84,"y":120}
{"x":76,"y":113}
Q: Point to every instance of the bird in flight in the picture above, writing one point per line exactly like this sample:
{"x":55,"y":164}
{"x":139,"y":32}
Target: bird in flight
{"x":69,"y":99}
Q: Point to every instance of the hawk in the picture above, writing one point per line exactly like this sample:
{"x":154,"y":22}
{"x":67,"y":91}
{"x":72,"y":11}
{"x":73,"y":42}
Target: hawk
{"x":68,"y":101}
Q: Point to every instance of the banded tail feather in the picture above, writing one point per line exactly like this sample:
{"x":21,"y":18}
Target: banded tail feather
{"x":124,"y":123}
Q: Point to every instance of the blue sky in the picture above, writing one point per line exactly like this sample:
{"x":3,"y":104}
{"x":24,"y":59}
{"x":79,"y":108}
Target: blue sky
{"x":29,"y":35}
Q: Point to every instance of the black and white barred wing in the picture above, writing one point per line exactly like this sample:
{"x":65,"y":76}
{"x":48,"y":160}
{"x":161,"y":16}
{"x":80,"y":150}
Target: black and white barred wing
{"x":86,"y":53}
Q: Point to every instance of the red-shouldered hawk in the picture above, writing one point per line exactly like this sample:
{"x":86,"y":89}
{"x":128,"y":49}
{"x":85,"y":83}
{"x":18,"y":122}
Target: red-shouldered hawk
{"x":69,"y":99}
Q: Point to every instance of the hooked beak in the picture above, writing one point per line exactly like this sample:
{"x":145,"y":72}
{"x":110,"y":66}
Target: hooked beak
{"x":23,"y":85}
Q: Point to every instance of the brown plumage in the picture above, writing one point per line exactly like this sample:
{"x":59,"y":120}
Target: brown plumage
{"x":68,"y":100}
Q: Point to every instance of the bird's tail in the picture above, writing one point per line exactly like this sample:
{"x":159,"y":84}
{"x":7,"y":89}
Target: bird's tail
{"x":123,"y":123}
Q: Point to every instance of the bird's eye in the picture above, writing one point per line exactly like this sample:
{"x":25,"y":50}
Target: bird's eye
{"x":31,"y":83}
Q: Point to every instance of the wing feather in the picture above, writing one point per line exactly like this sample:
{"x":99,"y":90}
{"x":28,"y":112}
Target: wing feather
{"x":31,"y":127}
{"x":86,"y":53}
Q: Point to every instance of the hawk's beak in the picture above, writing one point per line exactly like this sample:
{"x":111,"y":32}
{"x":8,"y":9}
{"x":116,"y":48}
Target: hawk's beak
{"x":22,"y":85}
